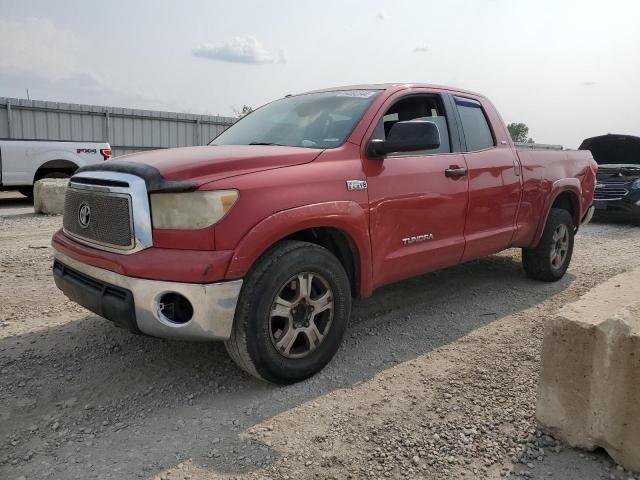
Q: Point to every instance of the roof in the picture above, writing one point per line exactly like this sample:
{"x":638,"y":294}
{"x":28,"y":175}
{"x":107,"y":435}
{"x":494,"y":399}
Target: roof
{"x":393,"y":87}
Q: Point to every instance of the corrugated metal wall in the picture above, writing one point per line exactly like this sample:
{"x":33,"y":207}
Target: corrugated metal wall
{"x":127,"y":130}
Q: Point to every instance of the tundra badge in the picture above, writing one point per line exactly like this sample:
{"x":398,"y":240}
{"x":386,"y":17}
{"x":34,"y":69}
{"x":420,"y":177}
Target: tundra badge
{"x":417,"y":238}
{"x":356,"y":184}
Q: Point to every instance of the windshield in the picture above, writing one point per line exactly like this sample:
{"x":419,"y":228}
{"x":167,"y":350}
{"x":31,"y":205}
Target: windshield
{"x":313,"y":120}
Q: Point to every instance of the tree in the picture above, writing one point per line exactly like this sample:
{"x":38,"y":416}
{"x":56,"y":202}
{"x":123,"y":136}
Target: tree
{"x":519,"y":133}
{"x":244,"y":111}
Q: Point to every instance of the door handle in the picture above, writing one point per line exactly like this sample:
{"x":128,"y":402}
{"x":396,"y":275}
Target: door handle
{"x":455,"y":172}
{"x":516,"y":167}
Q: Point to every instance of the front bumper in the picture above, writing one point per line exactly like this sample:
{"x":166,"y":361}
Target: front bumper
{"x":134,"y":303}
{"x":588,"y":216}
{"x":628,"y":206}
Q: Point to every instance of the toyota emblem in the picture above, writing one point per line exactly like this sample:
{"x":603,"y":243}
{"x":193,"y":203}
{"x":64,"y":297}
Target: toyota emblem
{"x":84,"y":215}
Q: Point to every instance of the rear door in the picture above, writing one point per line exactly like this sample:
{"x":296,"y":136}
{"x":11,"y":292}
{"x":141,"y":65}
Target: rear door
{"x":417,"y":212}
{"x":494,"y":181}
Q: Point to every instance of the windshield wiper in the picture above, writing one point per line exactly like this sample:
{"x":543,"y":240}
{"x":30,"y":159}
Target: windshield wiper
{"x":266,"y":143}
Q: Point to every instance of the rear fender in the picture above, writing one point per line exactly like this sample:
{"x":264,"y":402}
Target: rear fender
{"x":571,"y":185}
{"x":40,"y":158}
{"x":349,"y":217}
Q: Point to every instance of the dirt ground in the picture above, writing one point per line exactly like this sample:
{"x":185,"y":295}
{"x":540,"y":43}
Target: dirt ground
{"x":436,"y":378}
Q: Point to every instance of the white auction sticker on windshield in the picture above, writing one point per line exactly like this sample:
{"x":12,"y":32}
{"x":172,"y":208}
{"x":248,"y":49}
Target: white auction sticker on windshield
{"x":357,"y":93}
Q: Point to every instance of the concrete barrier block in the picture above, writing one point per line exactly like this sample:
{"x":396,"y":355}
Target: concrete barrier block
{"x":48,"y":195}
{"x":589,"y":390}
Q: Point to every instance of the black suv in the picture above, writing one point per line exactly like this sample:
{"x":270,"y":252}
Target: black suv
{"x":618,"y":184}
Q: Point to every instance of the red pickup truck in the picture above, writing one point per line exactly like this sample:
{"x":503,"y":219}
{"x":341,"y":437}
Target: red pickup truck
{"x":262,"y":238}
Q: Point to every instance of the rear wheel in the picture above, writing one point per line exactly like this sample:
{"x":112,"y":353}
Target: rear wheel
{"x":55,"y":175}
{"x":550,"y":260}
{"x":292,"y":313}
{"x":26,"y":191}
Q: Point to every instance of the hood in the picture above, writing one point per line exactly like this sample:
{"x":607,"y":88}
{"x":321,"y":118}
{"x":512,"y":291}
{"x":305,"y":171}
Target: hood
{"x":209,"y":163}
{"x":613,"y":151}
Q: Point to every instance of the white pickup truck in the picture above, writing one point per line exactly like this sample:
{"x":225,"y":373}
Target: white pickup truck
{"x":24,"y":162}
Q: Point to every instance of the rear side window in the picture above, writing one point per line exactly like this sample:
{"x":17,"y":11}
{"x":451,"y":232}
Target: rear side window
{"x":474,"y":123}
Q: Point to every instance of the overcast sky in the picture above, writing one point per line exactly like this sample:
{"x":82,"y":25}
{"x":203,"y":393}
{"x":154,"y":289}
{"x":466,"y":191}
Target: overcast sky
{"x":569,"y":69}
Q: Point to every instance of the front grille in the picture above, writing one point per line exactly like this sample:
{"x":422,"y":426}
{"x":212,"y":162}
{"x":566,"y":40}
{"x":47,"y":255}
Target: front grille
{"x":609,"y":192}
{"x":108,"y":221}
{"x":610,"y":182}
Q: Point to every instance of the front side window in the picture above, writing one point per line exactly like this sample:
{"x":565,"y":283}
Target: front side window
{"x":419,"y":108}
{"x":474,"y":123}
{"x":313,"y":120}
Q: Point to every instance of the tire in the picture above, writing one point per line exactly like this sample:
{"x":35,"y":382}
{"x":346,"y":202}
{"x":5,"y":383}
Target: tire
{"x":543,"y":263}
{"x":26,"y":191}
{"x":286,"y":349}
{"x":56,"y":175}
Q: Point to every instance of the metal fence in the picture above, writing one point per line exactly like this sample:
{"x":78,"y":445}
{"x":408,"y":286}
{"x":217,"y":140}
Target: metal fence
{"x":127,"y":130}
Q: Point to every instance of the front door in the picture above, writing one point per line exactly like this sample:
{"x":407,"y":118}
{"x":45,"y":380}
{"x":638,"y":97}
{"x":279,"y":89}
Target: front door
{"x":418,"y":200}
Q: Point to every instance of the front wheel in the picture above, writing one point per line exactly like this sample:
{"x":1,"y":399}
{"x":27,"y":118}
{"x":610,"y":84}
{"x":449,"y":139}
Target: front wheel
{"x":550,"y":260}
{"x":292,"y":313}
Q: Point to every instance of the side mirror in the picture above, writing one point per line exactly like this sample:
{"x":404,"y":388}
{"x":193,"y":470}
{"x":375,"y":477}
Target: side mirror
{"x":406,"y":137}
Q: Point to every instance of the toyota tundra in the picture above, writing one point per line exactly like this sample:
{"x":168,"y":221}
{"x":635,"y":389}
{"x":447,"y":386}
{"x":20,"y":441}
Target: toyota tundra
{"x":262,"y":238}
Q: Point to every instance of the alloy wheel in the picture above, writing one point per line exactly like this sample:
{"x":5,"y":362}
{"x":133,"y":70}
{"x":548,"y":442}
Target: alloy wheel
{"x":560,"y":246}
{"x":301,"y":315}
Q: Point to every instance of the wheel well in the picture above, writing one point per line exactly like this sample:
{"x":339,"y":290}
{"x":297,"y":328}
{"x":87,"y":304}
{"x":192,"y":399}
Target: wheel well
{"x":569,"y":201}
{"x":338,"y":243}
{"x":64,"y":166}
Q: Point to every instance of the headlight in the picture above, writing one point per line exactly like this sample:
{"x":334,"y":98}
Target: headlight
{"x":636,"y":185}
{"x":192,"y":210}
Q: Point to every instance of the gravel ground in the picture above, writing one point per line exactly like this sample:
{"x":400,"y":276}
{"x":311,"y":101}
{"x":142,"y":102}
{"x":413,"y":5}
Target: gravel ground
{"x":436,"y":379}
{"x":14,"y":203}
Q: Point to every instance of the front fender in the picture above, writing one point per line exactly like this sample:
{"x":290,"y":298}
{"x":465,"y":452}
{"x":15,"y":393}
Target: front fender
{"x":571,"y":185}
{"x":347,"y":216}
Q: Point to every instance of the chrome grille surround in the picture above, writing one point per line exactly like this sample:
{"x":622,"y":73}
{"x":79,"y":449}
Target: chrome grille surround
{"x":613,"y":181}
{"x":610,"y":191}
{"x":110,"y":189}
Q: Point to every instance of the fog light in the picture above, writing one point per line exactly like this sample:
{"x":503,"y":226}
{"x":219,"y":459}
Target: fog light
{"x":175,"y":308}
